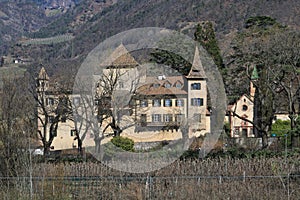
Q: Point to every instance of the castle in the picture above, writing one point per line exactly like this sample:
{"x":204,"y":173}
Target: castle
{"x":143,"y":107}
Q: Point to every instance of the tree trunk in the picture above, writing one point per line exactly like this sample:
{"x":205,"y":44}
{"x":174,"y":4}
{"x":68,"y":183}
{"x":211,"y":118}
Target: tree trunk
{"x":264,"y":137}
{"x":97,"y":145}
{"x":117,"y":131}
{"x":79,"y":142}
{"x":46,"y":149}
{"x":97,"y":141}
{"x":293,"y":125}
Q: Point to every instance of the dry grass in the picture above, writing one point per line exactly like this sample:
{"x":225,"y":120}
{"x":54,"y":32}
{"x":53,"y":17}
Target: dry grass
{"x":263,"y":178}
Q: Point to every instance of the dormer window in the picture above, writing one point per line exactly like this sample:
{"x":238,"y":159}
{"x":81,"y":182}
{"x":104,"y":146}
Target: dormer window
{"x":178,"y":85}
{"x":167,"y":85}
{"x":156,"y":85}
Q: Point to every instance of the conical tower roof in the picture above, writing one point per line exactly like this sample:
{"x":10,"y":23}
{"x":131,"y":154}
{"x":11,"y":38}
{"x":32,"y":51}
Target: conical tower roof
{"x":197,"y":71}
{"x":120,"y":57}
{"x":43,"y":74}
{"x":254,"y":75}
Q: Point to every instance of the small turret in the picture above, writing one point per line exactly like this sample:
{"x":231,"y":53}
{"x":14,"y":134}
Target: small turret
{"x":254,"y":77}
{"x":42,"y":80}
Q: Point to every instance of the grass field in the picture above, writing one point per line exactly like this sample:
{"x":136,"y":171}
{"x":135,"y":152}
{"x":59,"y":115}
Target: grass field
{"x":47,"y":41}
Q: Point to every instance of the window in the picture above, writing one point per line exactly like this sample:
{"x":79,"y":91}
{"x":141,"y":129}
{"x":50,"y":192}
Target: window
{"x":144,"y":103}
{"x":76,"y":101}
{"x":196,"y":86}
{"x":168,"y":102}
{"x":156,"y":118}
{"x":50,"y":101}
{"x":53,"y":132}
{"x":245,"y":107}
{"x":51,"y":119}
{"x":180,"y":102}
{"x":197,"y":102}
{"x":236,"y":131}
{"x":143,"y":120}
{"x":156,"y":102}
{"x":179,"y":117}
{"x":168,"y":118}
{"x":73,"y":132}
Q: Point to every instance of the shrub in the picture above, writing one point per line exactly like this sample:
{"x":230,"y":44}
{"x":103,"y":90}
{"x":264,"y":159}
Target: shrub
{"x":124,"y":143}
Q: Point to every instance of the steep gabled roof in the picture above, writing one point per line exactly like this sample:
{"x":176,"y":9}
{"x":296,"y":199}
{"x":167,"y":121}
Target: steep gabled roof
{"x":43,"y":74}
{"x":232,"y":107}
{"x":120,"y":57}
{"x":197,"y":71}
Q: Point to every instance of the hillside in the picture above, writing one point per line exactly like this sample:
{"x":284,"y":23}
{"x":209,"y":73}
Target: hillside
{"x":91,"y":25}
{"x":16,"y":19}
{"x":20,"y":18}
{"x":91,"y":22}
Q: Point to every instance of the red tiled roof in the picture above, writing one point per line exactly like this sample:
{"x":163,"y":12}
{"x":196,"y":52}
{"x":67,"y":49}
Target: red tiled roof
{"x":155,"y":86}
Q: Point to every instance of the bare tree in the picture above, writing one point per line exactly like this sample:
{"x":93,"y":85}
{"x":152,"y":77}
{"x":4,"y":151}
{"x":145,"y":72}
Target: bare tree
{"x":285,"y":71}
{"x":115,"y":101}
{"x":16,"y":129}
{"x":53,"y":106}
{"x":276,"y":63}
{"x":79,"y":117}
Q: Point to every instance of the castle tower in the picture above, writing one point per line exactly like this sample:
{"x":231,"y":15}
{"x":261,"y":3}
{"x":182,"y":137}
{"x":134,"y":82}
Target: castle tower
{"x":197,"y":94}
{"x":42,"y":80}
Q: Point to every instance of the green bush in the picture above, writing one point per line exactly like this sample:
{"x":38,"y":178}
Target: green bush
{"x":260,"y":21}
{"x":124,"y":143}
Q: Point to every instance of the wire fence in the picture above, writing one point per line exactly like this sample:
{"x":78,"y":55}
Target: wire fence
{"x":152,"y":187}
{"x":145,"y":178}
{"x":222,"y":178}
